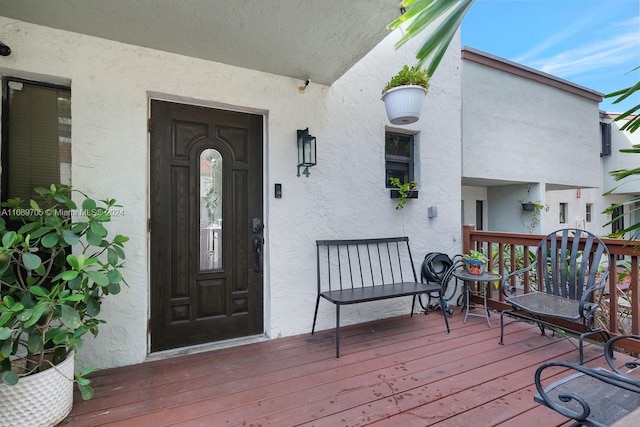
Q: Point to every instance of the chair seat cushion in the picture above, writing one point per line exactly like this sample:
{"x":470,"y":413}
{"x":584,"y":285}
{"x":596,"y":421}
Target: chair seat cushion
{"x":544,"y":304}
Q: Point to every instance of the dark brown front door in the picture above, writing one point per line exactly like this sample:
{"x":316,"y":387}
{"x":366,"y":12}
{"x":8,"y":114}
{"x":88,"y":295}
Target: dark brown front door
{"x":206,"y":225}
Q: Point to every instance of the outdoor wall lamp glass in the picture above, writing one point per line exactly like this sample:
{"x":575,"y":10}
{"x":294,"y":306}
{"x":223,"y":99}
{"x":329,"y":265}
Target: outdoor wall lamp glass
{"x":306,"y":151}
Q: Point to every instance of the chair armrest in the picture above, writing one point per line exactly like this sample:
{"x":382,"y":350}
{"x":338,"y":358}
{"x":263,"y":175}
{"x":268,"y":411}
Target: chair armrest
{"x":585,"y":300}
{"x":506,"y":287}
{"x":560,"y":404}
{"x":608,"y":353}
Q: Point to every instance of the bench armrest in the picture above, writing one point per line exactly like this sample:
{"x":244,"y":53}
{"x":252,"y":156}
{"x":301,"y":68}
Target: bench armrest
{"x":587,"y":307}
{"x":608,"y":353}
{"x":506,"y":287}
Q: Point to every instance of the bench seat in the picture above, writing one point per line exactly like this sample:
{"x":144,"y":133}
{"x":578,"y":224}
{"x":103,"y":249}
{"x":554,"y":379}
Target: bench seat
{"x":373,"y":293}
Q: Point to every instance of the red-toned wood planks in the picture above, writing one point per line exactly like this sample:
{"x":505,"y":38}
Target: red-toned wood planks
{"x":399,"y":371}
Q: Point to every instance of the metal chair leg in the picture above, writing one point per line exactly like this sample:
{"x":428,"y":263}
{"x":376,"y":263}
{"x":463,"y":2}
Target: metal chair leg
{"x":444,"y":311}
{"x":315,"y":315}
{"x":413,"y":304}
{"x":502,"y":328}
{"x":337,"y":331}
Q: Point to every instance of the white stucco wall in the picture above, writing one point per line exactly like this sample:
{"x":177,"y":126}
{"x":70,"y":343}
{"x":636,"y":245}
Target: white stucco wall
{"x":470,"y":195}
{"x":517,"y":129}
{"x":344,"y":197}
{"x":505,"y":213}
{"x":576,"y":210}
{"x":617,"y":160}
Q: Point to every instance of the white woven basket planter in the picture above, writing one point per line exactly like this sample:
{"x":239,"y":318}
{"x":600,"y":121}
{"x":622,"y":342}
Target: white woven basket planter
{"x":43,"y":399}
{"x":404,"y":104}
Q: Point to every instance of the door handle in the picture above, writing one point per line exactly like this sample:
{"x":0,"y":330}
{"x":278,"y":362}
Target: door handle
{"x":256,"y":246}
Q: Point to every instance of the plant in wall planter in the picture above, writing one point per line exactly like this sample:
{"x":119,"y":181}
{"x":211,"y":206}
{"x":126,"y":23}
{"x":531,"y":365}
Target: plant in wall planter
{"x":57,"y":264}
{"x":404,"y":93}
{"x":403,"y":191}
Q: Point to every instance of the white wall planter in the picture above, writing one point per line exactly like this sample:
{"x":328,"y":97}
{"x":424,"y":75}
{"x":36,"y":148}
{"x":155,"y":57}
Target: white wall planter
{"x":404,"y":104}
{"x":43,"y":399}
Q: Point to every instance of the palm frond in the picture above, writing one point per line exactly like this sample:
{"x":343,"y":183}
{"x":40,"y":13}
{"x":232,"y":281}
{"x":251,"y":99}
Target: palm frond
{"x":425,"y":12}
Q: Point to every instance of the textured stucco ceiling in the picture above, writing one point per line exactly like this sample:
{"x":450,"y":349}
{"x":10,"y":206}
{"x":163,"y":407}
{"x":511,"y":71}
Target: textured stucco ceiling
{"x":315,"y":39}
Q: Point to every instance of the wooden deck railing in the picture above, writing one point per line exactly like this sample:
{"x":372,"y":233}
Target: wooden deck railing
{"x":621,"y":306}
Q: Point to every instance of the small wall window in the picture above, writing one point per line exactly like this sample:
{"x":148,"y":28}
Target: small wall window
{"x":563,"y":213}
{"x":398,"y":150}
{"x":587,"y":213}
{"x":36,"y":137}
{"x":605,"y":134}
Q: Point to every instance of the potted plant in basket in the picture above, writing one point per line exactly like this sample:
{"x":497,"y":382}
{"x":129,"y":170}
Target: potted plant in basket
{"x":533,"y":207}
{"x":475,"y":261}
{"x":404,"y":93}
{"x":57,"y":263}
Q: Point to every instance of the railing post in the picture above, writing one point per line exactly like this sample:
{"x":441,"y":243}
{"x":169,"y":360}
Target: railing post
{"x":635,"y":298}
{"x":467,"y":229}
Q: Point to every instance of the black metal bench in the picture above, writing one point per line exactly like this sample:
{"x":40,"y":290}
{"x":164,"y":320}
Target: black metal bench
{"x":355,"y":271}
{"x":569,"y":284}
{"x":591,"y":396}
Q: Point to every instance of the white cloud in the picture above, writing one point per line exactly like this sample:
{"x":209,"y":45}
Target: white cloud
{"x":620,"y":49}
{"x":554,"y":40}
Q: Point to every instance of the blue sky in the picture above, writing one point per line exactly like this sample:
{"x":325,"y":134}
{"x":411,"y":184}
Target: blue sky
{"x":593,"y":43}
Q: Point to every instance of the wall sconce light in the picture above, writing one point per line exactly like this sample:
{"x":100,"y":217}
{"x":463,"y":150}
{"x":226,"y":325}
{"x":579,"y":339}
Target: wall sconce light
{"x":306,"y":151}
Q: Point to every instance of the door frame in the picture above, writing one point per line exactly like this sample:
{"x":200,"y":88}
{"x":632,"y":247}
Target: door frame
{"x":266,"y":300}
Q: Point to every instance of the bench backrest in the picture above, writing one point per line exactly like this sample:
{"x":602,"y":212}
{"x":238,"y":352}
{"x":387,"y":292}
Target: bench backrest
{"x":569,"y":263}
{"x":344,"y":264}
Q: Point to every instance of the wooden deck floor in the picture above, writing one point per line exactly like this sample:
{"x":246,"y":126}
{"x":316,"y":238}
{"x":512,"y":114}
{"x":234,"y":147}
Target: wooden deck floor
{"x":395,"y":372}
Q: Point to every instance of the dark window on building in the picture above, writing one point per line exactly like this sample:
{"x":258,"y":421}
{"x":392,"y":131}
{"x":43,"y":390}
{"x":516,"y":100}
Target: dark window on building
{"x":563,"y":213}
{"x":588,"y":211}
{"x":398,"y":150}
{"x":617,"y":217}
{"x":36,"y":137}
{"x":479,"y":214}
{"x":605,"y":133}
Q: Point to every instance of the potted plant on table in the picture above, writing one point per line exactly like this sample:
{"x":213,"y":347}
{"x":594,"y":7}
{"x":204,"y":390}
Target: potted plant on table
{"x":404,"y":93}
{"x":57,"y":263}
{"x":474,"y":262}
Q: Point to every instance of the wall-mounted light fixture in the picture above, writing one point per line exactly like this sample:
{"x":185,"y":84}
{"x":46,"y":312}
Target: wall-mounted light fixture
{"x":306,"y":151}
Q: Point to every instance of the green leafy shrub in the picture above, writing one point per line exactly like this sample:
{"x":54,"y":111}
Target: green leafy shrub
{"x":50,"y":295}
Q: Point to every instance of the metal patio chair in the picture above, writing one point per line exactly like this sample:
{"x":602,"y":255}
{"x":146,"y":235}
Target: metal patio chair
{"x":592,"y":396}
{"x":571,"y":277}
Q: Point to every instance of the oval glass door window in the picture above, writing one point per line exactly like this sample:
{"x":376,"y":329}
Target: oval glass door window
{"x":210,"y":210}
